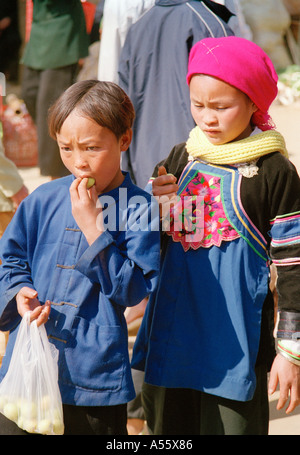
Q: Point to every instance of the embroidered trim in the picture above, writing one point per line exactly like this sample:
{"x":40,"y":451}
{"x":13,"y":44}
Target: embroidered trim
{"x":285,"y":242}
{"x":205,"y":223}
{"x":248,"y":219}
{"x":285,"y":218}
{"x":286,"y":262}
{"x":258,"y":245}
{"x":285,"y":230}
{"x":265,"y":258}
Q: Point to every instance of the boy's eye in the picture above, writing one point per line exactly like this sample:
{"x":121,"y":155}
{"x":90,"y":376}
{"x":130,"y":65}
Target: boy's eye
{"x":93,"y":148}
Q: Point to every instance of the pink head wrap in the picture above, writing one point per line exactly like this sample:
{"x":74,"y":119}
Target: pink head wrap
{"x":242,"y":64}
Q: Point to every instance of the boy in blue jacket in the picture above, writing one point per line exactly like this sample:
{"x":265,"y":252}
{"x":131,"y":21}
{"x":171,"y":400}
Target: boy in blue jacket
{"x":77,"y":256}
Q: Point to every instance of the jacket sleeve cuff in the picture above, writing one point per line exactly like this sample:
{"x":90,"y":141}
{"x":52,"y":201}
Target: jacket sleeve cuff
{"x":287,"y":332}
{"x":288,"y":325}
{"x":290,"y":350}
{"x":9,"y":316}
{"x":84,"y":263}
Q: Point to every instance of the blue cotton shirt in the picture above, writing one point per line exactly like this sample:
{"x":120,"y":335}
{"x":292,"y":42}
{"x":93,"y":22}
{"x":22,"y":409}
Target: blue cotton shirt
{"x":89,"y":286}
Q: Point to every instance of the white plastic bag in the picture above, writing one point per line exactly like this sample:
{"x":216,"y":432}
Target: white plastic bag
{"x":29,"y":392}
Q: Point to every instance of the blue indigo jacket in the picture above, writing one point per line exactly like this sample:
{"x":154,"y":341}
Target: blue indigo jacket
{"x":89,"y":286}
{"x":211,"y":319}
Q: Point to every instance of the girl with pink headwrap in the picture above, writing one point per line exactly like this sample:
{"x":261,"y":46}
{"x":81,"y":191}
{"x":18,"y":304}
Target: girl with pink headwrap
{"x":207,"y":340}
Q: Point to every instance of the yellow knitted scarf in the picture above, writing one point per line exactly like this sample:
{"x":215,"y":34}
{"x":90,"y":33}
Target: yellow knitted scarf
{"x":243,"y":151}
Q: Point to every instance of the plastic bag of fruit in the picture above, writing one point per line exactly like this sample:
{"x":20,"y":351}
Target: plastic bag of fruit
{"x":29,"y":392}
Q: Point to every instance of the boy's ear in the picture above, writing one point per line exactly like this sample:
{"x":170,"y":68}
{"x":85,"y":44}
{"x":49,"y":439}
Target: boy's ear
{"x":126,"y":140}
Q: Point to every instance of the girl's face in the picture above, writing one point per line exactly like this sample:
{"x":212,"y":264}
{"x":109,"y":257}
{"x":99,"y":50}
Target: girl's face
{"x":221,"y":111}
{"x":90,"y":150}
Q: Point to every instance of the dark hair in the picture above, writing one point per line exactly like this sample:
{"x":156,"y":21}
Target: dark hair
{"x":104,"y":102}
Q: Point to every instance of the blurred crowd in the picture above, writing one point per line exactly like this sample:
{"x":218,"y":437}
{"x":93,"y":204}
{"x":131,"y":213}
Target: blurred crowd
{"x":46,"y":46}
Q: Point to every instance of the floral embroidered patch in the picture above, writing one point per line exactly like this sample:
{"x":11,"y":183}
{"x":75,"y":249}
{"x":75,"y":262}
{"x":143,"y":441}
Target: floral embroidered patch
{"x":197,"y":217}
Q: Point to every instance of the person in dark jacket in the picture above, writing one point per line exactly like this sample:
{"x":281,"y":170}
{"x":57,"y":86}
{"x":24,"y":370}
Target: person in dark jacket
{"x":152,"y":71}
{"x":10,"y":39}
{"x":58,"y":41}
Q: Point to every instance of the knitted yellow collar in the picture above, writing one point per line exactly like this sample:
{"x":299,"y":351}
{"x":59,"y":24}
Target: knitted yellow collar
{"x":243,"y":151}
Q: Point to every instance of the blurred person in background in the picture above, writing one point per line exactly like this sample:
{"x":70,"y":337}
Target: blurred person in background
{"x":10,"y":39}
{"x":117,"y":19}
{"x":152,"y":72}
{"x":58,"y":40}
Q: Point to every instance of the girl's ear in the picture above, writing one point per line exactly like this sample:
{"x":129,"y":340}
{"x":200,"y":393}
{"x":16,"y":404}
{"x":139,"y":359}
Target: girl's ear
{"x":254,"y":108}
{"x":126,"y":140}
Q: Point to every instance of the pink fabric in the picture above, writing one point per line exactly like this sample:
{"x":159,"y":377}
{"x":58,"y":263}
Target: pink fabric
{"x":203,"y":223}
{"x":242,"y":64}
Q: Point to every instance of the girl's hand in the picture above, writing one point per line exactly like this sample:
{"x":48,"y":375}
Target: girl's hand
{"x":164,"y":188}
{"x":164,"y":184}
{"x":86,"y":209}
{"x":27,"y":301}
{"x":287,"y":375}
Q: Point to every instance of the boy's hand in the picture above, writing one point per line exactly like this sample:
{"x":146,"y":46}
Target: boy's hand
{"x":27,"y":301}
{"x":287,"y":375}
{"x":135,"y":312}
{"x":85,"y":209}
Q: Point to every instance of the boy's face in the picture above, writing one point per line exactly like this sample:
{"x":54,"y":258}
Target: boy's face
{"x":90,"y":150}
{"x":221,"y":111}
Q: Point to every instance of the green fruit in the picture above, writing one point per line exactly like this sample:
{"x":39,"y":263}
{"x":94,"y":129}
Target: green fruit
{"x":58,"y":426}
{"x":10,"y":411}
{"x":2,"y":402}
{"x":20,"y":423}
{"x":30,"y":425}
{"x":28,"y":410}
{"x":44,"y":426}
{"x":90,"y":182}
{"x":45,"y":403}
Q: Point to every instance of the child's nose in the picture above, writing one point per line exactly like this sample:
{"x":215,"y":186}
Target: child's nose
{"x":209,"y":117}
{"x":79,"y":160}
